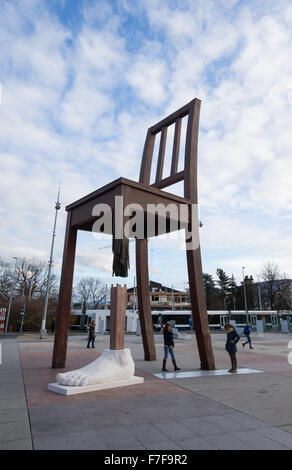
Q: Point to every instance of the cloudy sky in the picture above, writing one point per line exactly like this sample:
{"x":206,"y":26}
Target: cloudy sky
{"x":82,"y":81}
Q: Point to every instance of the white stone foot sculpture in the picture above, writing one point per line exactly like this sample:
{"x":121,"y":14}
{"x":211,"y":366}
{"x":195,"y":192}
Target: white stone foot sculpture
{"x":110,"y":366}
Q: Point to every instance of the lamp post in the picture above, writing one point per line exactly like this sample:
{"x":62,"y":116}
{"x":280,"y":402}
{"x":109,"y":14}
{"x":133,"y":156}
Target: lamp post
{"x":105,"y":296}
{"x":22,"y":312}
{"x":260,"y":296}
{"x":11,"y":295}
{"x":134,"y":295}
{"x":244,"y":290}
{"x":44,"y":317}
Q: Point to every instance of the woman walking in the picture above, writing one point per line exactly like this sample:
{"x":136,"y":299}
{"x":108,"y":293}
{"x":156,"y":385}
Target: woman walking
{"x":168,"y":347}
{"x":91,"y":337}
{"x":232,"y":339}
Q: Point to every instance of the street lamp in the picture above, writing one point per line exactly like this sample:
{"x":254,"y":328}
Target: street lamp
{"x":44,"y":317}
{"x":105,"y":296}
{"x":11,"y":294}
{"x":244,"y":290}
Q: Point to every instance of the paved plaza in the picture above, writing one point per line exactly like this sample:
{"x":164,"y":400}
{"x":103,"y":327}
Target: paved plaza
{"x":244,"y":411}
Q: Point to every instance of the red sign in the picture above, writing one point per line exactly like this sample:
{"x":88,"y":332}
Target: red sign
{"x":2,"y":319}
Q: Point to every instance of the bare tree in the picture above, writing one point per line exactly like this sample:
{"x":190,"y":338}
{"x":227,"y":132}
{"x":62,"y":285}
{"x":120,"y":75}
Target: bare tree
{"x":276,"y":288}
{"x":5,"y":279}
{"x":89,"y":290}
{"x":82,"y":292}
{"x":27,"y":278}
{"x":98,"y":292}
{"x":283,"y":298}
{"x":31,"y":277}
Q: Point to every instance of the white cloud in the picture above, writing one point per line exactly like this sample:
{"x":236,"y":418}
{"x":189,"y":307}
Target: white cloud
{"x":76,"y":106}
{"x":148,"y":78}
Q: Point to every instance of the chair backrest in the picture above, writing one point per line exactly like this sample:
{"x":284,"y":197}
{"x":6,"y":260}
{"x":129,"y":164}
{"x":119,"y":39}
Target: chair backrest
{"x":189,"y":173}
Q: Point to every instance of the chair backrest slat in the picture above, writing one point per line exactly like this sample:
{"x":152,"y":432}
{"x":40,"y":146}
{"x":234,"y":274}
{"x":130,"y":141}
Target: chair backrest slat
{"x":189,"y":173}
{"x":176,"y":144}
{"x":170,"y":180}
{"x":161,"y":154}
{"x":145,"y":169}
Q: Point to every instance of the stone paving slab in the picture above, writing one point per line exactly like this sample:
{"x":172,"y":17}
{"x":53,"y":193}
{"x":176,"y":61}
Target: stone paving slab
{"x":16,"y":444}
{"x":15,"y":430}
{"x":10,"y":415}
{"x":225,"y":441}
{"x":197,"y":443}
{"x":277,"y":435}
{"x":255,"y":440}
{"x":280,"y":416}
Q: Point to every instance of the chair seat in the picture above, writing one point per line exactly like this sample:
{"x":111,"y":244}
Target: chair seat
{"x":132,"y":193}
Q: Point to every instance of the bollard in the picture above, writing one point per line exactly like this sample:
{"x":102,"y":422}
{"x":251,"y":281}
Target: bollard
{"x":118,"y":316}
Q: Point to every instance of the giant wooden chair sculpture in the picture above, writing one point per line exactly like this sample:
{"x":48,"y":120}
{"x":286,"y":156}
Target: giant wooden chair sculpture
{"x":80,"y":217}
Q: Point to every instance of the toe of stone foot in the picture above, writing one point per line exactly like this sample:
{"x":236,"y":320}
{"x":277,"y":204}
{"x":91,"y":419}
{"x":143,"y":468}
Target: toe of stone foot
{"x":72,"y":380}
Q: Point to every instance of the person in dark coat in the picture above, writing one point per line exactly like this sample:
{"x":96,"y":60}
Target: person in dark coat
{"x":53,"y":325}
{"x":232,"y":339}
{"x":247,"y":332}
{"x":91,"y":336}
{"x":168,"y":347}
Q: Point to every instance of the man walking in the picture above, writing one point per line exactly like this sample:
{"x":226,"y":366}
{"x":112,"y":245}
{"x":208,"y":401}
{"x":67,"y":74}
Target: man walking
{"x":247,"y":332}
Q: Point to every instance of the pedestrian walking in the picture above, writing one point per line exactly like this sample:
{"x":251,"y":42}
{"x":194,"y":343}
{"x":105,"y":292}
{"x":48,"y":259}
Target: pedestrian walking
{"x":91,"y":336}
{"x":232,"y":339}
{"x":168,"y":347}
{"x":247,"y":332}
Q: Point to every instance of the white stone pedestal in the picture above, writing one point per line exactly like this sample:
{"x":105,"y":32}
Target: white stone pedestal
{"x":67,"y":390}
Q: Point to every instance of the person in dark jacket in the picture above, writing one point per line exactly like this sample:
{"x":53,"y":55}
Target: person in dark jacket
{"x":91,"y":336}
{"x":168,"y":347}
{"x":53,"y":325}
{"x":247,"y":332}
{"x":232,"y":339}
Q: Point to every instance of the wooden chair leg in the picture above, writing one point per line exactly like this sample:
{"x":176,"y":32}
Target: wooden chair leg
{"x":199,"y":309}
{"x":144,"y":300}
{"x":65,"y":293}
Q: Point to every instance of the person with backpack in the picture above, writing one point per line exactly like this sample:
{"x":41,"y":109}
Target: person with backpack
{"x":232,"y":339}
{"x":247,"y":332}
{"x":168,"y":347}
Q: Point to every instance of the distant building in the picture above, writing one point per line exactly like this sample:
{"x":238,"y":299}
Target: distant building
{"x":161,"y":298}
